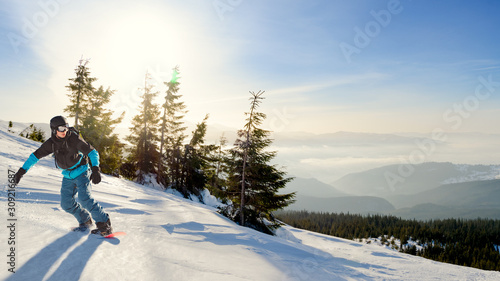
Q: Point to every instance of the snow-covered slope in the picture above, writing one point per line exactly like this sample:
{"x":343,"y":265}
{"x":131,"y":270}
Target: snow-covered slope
{"x":171,"y":238}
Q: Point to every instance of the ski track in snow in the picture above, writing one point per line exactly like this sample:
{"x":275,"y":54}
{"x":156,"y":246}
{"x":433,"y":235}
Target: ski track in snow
{"x":171,"y":238}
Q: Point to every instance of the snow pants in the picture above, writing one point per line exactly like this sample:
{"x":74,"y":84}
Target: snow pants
{"x":86,"y":205}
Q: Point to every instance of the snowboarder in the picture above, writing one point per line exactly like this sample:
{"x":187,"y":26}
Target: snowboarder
{"x":72,"y":155}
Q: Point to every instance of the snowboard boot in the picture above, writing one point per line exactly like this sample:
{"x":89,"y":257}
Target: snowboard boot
{"x":84,"y":226}
{"x":103,"y":228}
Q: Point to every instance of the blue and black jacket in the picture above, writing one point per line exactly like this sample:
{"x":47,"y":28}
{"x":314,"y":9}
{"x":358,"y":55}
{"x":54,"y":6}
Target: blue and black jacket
{"x":71,"y":154}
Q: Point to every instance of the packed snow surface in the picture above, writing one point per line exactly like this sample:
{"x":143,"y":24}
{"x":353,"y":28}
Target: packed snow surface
{"x":171,"y":238}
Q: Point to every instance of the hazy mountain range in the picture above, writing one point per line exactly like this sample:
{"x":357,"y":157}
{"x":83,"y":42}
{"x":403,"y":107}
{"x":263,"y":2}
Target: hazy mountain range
{"x":393,"y":180}
{"x":435,"y":190}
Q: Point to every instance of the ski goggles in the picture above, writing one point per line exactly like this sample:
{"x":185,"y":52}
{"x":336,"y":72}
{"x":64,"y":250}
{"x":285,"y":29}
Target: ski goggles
{"x":62,"y":128}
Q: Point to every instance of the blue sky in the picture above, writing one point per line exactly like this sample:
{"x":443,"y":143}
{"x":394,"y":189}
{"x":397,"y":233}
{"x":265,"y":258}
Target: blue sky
{"x":418,"y":70}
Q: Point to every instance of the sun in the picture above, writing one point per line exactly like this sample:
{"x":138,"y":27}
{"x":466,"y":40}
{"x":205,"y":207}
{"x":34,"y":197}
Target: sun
{"x":125,"y":42}
{"x":136,"y":43}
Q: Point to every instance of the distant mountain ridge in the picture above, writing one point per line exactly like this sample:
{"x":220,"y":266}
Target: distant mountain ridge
{"x":476,"y":194}
{"x":434,"y":191}
{"x":426,"y":176}
{"x":344,"y":204}
{"x":312,"y":187}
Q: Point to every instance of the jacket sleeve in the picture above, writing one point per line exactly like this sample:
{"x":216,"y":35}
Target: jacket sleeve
{"x":32,"y":160}
{"x":44,"y":150}
{"x":88,"y":150}
{"x":94,"y":158}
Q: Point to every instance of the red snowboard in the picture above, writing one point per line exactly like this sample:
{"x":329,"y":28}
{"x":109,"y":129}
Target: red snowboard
{"x":114,"y":234}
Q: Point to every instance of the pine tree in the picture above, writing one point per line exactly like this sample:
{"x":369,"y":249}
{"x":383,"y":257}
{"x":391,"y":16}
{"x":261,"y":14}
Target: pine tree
{"x":97,"y":128}
{"x":94,"y":122}
{"x":216,"y":169}
{"x":258,"y":181}
{"x":33,"y":133}
{"x":80,"y":89}
{"x":10,"y":126}
{"x":144,"y":135}
{"x":194,"y":162}
{"x":172,"y":135}
{"x":37,"y":134}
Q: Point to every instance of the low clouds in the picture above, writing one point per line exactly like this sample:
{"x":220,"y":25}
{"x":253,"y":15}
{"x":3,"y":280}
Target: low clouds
{"x":330,"y":156}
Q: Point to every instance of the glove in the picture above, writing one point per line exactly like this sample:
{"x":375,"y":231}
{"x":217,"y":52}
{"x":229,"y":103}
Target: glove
{"x":96,"y":175}
{"x":17,"y":176}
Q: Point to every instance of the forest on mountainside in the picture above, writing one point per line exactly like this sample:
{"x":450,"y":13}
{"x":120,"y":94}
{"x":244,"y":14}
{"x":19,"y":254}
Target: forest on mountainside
{"x":473,"y":243}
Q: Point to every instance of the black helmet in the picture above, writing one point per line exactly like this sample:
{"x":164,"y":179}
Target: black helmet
{"x":58,"y":121}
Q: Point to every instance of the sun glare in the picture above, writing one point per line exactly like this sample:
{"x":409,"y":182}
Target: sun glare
{"x":124,"y":42}
{"x":136,"y":43}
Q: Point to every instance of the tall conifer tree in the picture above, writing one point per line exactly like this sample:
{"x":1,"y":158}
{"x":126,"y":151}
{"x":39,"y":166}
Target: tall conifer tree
{"x":216,"y":169}
{"x":80,"y":89}
{"x":144,"y":135}
{"x":92,"y":119}
{"x":172,"y":134}
{"x":194,"y":162}
{"x":97,"y":125}
{"x":257,"y":181}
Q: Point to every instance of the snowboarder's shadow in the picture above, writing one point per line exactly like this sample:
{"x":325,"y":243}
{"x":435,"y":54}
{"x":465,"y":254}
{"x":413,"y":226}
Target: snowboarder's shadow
{"x":49,"y":257}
